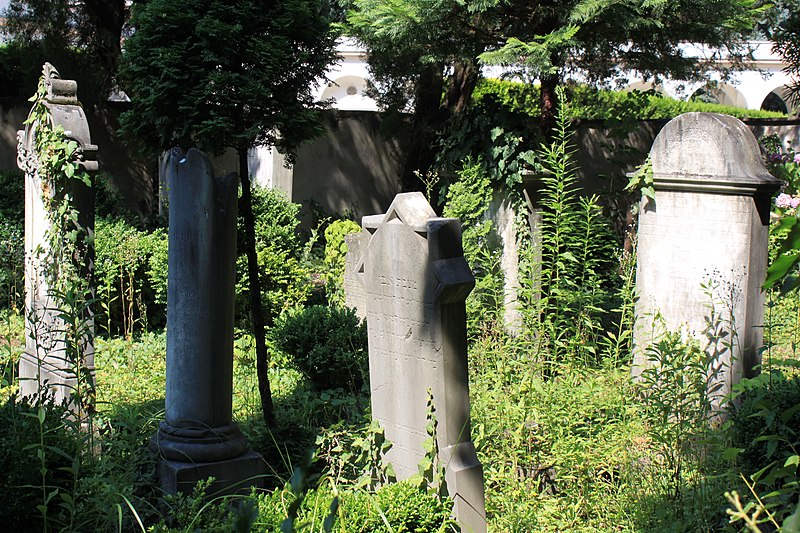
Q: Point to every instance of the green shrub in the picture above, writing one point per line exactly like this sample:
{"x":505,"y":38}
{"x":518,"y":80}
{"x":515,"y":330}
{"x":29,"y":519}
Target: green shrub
{"x":766,"y":428}
{"x":131,"y":273}
{"x":12,"y":262}
{"x":405,"y":506}
{"x":12,"y":243}
{"x":468,"y":200}
{"x":327,"y":344}
{"x":587,"y":102}
{"x":21,"y":439}
{"x":767,"y":424}
{"x":285,"y":280}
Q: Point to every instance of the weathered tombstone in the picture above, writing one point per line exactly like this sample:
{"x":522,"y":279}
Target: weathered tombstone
{"x":53,"y":363}
{"x":354,"y":295}
{"x":708,"y":226}
{"x":198,"y":439}
{"x":416,"y":280}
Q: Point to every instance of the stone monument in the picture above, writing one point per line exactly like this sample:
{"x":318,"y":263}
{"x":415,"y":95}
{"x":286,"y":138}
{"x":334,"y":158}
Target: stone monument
{"x":416,"y":280}
{"x":48,"y":365}
{"x":707,"y":225}
{"x":198,"y":439}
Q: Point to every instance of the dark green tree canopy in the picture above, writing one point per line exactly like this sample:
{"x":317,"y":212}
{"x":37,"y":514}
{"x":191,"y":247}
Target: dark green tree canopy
{"x":782,"y":27}
{"x":81,"y":37}
{"x":217,"y":74}
{"x":427,"y":54}
{"x":545,"y":38}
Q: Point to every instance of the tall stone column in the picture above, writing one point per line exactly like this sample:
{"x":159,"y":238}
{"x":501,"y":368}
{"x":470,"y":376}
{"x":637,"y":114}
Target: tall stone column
{"x":707,"y":226}
{"x":47,"y":364}
{"x":198,"y":439}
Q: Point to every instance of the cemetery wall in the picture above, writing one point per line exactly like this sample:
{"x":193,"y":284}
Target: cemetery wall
{"x":354,"y":166}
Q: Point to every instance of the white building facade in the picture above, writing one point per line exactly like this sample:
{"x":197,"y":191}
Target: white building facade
{"x":762,"y":86}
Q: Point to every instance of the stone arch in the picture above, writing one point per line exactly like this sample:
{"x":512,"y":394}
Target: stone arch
{"x":349,"y":93}
{"x":644,"y":86}
{"x":780,"y":99}
{"x":720,"y":93}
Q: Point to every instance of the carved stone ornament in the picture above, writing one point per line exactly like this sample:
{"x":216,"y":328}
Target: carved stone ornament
{"x":65,"y":111}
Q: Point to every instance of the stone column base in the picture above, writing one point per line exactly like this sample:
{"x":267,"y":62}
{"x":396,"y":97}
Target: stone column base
{"x":231,"y":476}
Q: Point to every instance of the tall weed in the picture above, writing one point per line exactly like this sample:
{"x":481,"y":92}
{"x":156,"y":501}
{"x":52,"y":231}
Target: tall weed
{"x":468,"y":199}
{"x":567,"y":264}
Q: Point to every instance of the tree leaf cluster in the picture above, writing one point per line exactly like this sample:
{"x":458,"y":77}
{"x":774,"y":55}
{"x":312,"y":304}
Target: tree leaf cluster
{"x":82,"y":37}
{"x":217,"y":74}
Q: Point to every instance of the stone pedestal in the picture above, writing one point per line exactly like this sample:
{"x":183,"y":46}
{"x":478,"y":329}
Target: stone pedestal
{"x":416,"y":280}
{"x":198,"y":438}
{"x":708,"y":224}
{"x":45,"y":366}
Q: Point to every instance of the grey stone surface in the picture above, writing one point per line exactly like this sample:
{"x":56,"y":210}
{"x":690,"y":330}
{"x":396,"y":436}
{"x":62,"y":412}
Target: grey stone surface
{"x":709,"y":223}
{"x":416,"y":280}
{"x":45,"y":359}
{"x":231,"y":476}
{"x":198,"y":429}
{"x":354,"y":295}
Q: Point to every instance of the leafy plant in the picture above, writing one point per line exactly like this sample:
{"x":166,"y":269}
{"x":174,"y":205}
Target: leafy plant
{"x":765,"y":434}
{"x":676,"y":401}
{"x":335,"y":254}
{"x":354,"y":455}
{"x":131,"y":270}
{"x":12,"y":254}
{"x":431,"y":471}
{"x":327,"y":344}
{"x":35,"y":449}
{"x":285,"y":279}
{"x":566,"y":263}
{"x":587,"y":102}
{"x":468,"y":199}
{"x":785,"y":230}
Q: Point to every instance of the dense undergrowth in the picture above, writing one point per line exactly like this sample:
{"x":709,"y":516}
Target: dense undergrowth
{"x":567,"y":440}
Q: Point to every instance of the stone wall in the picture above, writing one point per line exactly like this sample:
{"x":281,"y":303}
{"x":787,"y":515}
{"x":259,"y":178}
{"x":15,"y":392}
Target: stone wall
{"x":353,"y":167}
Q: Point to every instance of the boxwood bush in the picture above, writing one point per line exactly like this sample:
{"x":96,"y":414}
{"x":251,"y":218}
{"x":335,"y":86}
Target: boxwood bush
{"x":326,"y":344}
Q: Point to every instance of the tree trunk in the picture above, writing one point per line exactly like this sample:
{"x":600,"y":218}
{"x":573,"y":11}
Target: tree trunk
{"x":254,"y":286}
{"x":549,"y":105}
{"x":107,"y":18}
{"x":420,"y":152}
{"x":461,"y":86}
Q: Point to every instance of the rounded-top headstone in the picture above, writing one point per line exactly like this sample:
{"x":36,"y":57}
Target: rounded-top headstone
{"x":709,"y":152}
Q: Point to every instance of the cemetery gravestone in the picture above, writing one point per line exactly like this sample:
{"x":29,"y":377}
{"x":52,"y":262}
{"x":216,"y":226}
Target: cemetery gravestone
{"x":708,"y":226}
{"x":416,"y":280}
{"x":354,"y":295}
{"x":198,"y":439}
{"x":47,"y":364}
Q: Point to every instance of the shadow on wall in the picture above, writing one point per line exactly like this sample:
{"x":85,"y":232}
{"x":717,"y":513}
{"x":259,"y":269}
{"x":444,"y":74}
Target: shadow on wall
{"x":352,"y":167}
{"x":602,"y":153}
{"x":130,"y":176}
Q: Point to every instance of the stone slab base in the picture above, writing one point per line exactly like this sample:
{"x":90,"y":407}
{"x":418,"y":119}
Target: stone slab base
{"x":231,"y":476}
{"x":32,"y":373}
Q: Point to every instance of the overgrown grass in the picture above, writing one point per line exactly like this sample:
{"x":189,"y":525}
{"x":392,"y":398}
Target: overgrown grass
{"x":571,"y":453}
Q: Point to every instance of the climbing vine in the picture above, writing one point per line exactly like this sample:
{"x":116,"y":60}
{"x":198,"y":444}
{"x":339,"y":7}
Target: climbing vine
{"x":64,"y":256}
